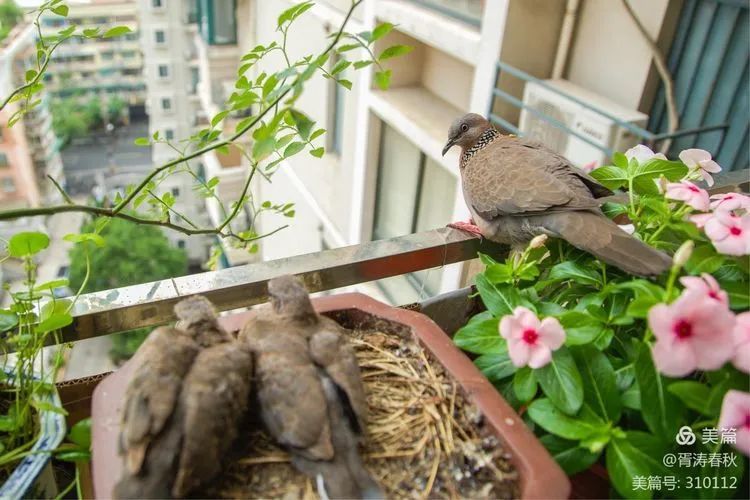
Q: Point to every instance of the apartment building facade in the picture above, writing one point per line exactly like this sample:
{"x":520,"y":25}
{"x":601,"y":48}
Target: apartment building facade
{"x":104,"y":67}
{"x":170,"y":72}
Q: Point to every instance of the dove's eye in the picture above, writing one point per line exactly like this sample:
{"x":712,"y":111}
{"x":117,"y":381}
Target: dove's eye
{"x":464,"y":127}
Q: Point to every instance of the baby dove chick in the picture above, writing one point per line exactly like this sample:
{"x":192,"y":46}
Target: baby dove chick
{"x":310,"y":389}
{"x":186,"y":451}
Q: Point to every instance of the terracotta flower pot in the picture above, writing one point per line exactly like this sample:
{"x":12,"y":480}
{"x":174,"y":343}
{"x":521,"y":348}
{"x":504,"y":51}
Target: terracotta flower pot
{"x":540,"y":476}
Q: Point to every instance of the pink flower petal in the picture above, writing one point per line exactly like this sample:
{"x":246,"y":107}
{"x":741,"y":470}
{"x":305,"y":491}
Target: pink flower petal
{"x":735,"y":413}
{"x":551,"y":333}
{"x":692,"y":157}
{"x":526,"y":318}
{"x":730,"y":201}
{"x":709,"y":166}
{"x":509,"y":326}
{"x":660,"y":320}
{"x":540,"y":356}
{"x":642,"y":154}
{"x":700,"y":220}
{"x":519,"y":352}
{"x":673,"y":359}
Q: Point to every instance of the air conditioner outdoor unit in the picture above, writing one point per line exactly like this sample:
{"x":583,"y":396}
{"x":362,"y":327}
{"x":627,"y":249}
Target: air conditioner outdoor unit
{"x":597,"y":128}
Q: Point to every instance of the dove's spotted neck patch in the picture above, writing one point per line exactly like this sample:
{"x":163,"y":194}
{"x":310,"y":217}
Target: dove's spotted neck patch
{"x":487,"y":137}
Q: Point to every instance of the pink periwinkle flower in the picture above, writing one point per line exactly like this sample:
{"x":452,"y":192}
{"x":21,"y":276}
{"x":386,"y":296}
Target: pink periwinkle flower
{"x":706,"y":285}
{"x":589,"y":167}
{"x":700,"y":220}
{"x":530,"y":341}
{"x":700,"y":160}
{"x":642,"y":154}
{"x":729,"y":233}
{"x":741,"y":359}
{"x":735,"y":414}
{"x":694,"y":332}
{"x":730,"y":201}
{"x":689,"y":193}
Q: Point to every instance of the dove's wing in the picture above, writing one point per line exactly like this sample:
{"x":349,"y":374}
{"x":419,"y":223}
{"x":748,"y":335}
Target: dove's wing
{"x":213,"y":399}
{"x":510,"y":176}
{"x":290,"y":393}
{"x":162,"y":362}
{"x":331,"y":350}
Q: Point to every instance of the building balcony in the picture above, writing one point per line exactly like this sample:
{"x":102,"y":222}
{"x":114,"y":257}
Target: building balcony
{"x":466,"y":11}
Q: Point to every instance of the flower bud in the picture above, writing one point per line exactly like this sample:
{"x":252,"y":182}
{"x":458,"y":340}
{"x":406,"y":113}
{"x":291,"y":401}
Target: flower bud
{"x":538,"y":241}
{"x":683,"y":253}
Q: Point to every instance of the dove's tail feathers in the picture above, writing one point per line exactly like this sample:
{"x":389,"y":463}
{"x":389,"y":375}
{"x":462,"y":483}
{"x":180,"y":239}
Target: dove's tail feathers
{"x":596,"y":234}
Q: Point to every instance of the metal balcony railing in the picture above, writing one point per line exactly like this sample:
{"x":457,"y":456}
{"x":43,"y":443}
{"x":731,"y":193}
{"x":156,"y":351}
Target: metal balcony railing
{"x":646,"y":137}
{"x":467,"y":11}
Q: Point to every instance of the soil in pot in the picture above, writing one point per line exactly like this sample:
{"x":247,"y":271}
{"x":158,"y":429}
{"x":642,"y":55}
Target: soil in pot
{"x":425,"y":439}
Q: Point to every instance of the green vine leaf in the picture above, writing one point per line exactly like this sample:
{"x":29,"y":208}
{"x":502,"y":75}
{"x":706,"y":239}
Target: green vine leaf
{"x":116,"y":31}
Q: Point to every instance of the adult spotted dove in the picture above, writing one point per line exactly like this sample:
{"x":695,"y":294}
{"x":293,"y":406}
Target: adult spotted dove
{"x":310,"y":391}
{"x":516,"y":189}
{"x":183,"y":405}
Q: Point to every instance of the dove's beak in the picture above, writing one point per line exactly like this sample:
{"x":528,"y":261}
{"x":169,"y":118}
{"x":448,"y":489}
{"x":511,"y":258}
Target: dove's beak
{"x":449,"y":145}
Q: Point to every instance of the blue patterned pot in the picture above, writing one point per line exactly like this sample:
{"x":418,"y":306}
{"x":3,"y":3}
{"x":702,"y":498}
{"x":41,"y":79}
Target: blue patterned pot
{"x":23,"y":480}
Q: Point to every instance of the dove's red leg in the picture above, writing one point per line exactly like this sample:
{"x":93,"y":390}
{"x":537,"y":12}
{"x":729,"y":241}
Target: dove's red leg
{"x":468,"y":226}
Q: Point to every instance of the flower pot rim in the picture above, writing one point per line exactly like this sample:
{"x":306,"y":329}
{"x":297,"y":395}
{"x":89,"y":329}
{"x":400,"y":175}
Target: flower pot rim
{"x":52,"y":429}
{"x":539,"y":474}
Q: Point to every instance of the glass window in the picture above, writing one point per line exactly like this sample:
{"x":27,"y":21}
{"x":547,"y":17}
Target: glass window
{"x":166,"y":103}
{"x":180,"y":243}
{"x":3,"y":160}
{"x":163,"y":71}
{"x":160,"y":36}
{"x":336,"y":120}
{"x":398,"y":178}
{"x":175,"y":192}
{"x":8,"y":185}
{"x":157,"y":4}
{"x":169,"y":134}
{"x":224,"y":22}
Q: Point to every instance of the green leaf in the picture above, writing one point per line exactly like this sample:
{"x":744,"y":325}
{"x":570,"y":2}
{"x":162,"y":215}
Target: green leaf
{"x":380,"y":31}
{"x":362,"y":64}
{"x":500,"y":299}
{"x":739,"y":294}
{"x":544,"y":413}
{"x":495,"y":366}
{"x":61,"y":10}
{"x":80,"y":433}
{"x":580,"y":328}
{"x":54,"y":315}
{"x":83,"y":237}
{"x":639,"y":307}
{"x":8,"y":321}
{"x":571,"y":457}
{"x":9,"y":423}
{"x":561,"y":382}
{"x":317,"y":134}
{"x":638,"y":454}
{"x":600,"y":387}
{"x":90,"y":32}
{"x":499,"y":273}
{"x":30,"y":74}
{"x":47,"y":406}
{"x":345,"y":83}
{"x":293,"y":149}
{"x":318,"y":152}
{"x":693,"y":394}
{"x":142,"y":141}
{"x":395,"y":51}
{"x":269,"y":85}
{"x":524,"y":384}
{"x":340,"y":66}
{"x":661,"y":411}
{"x":27,"y":243}
{"x":116,"y":31}
{"x":610,"y":177}
{"x":656,"y":167}
{"x":383,"y":79}
{"x":631,"y":398}
{"x":348,"y":47}
{"x":480,"y":335}
{"x":704,"y":259}
{"x":51,"y":285}
{"x":219,"y":117}
{"x":571,"y":270}
{"x":74,"y":456}
{"x":263,"y":148}
{"x":729,"y":475}
{"x":302,"y":122}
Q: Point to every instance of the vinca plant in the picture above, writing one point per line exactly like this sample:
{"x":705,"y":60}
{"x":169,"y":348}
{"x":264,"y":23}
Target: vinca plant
{"x":609,"y":368}
{"x":273,"y":131}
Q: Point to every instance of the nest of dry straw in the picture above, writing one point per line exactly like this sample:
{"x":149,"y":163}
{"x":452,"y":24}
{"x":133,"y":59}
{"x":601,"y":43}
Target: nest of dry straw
{"x":424,"y":438}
